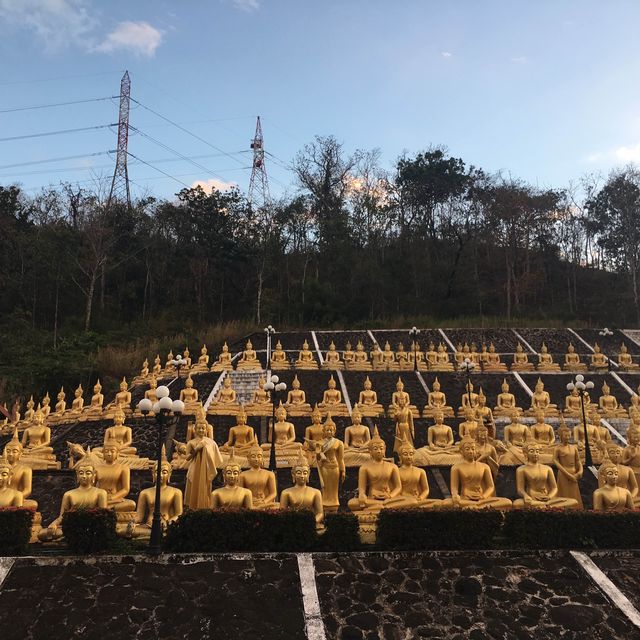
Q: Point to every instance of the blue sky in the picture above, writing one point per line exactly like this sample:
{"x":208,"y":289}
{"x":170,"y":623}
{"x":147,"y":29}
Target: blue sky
{"x":546,"y":90}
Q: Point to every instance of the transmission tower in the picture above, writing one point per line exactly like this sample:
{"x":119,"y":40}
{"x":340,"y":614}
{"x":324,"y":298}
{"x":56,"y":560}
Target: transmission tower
{"x":259,"y":195}
{"x":120,"y":184}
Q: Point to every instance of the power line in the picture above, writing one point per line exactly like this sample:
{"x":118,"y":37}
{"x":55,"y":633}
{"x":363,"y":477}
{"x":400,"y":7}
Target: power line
{"x":57,"y":133}
{"x":158,"y":170}
{"x":56,"y":104}
{"x":61,"y":159}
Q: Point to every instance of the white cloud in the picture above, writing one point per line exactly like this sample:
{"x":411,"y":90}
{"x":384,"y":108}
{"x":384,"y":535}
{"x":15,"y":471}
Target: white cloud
{"x":446,"y":54}
{"x":213,"y":183}
{"x":628,"y":154}
{"x":246,"y":5}
{"x":138,"y":37}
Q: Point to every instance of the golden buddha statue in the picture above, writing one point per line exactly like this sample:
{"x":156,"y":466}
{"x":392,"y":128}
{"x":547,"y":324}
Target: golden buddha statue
{"x":204,"y":461}
{"x":541,"y":400}
{"x":573,"y":404}
{"x":572,"y":360}
{"x":492,"y":360}
{"x":521,"y":360}
{"x":241,"y":438}
{"x":330,"y":463}
{"x":332,"y":401}
{"x":567,"y":460}
{"x":459,"y":354}
{"x":608,"y":404}
{"x":169,"y":367}
{"x":403,"y":417}
{"x":634,"y":406}
{"x":436,"y":402}
{"x":485,"y":450}
{"x":610,"y":496}
{"x":9,"y":497}
{"x":414,"y":491}
{"x":29,"y":413}
{"x":284,"y":435}
{"x":306,"y":359}
{"x":506,"y":402}
{"x":389,"y":358}
{"x":402,"y":358}
{"x":468,"y":399}
{"x":150,"y":393}
{"x":224,"y":363}
{"x":483,"y":356}
{"x":122,"y":398}
{"x":516,"y":436}
{"x":189,"y":396}
{"x":260,"y":404}
{"x":278,"y":360}
{"x":315,"y":431}
{"x":226,"y":402}
{"x":484,"y":413}
{"x":442,"y":360}
{"x":121,"y":434}
{"x":626,"y":477}
{"x":45,"y":408}
{"x":625,"y":361}
{"x":378,"y":480}
{"x":259,"y":481}
{"x":77,"y":405}
{"x":249,"y":359}
{"x":57,"y":416}
{"x":332,"y":358}
{"x":467,"y":428}
{"x":157,"y":366}
{"x":201,"y":418}
{"x":170,"y":502}
{"x":348,"y":355}
{"x":368,"y":401}
{"x":21,"y":474}
{"x":395,"y":401}
{"x":202,"y":366}
{"x":543,"y":434}
{"x":598,"y":360}
{"x":296,"y":403}
{"x":631,"y":453}
{"x":377,"y":358}
{"x":360,"y":361}
{"x":141,"y":378}
{"x":115,"y":479}
{"x":594,"y":438}
{"x":416,"y":354}
{"x":356,"y":441}
{"x":431,"y":355}
{"x":545,"y":360}
{"x":472,"y":482}
{"x":85,"y":496}
{"x":302,"y":496}
{"x":36,"y":445}
{"x":186,"y":360}
{"x":440,"y":449}
{"x":231,"y":495}
{"x":536,"y":484}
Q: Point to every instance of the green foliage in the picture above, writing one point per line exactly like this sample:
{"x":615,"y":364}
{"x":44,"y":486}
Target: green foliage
{"x":341,"y":533}
{"x":15,"y":530}
{"x":417,"y":529}
{"x":89,"y":530}
{"x":204,"y":530}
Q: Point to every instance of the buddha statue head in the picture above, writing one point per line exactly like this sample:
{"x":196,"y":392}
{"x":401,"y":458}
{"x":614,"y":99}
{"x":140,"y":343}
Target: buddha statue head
{"x":6,"y":472}
{"x":86,"y":469}
{"x":614,"y":452}
{"x":249,"y":346}
{"x":61,"y":394}
{"x":468,"y":388}
{"x":367,"y":383}
{"x":564,"y":433}
{"x":316,"y":415}
{"x":543,"y":348}
{"x":170,"y":355}
{"x":387,"y":346}
{"x":359,"y":346}
{"x":633,"y":436}
{"x":329,"y":427}
{"x":204,"y":350}
{"x":186,"y":354}
{"x":332,"y":346}
{"x":225,"y":347}
{"x":118,"y":417}
{"x":123,"y":384}
{"x":156,"y":360}
{"x":436,"y":384}
{"x":482,"y":399}
{"x":492,"y":348}
{"x":571,"y":348}
{"x":13,"y":449}
{"x":432,"y":347}
{"x":356,"y":416}
{"x":278,"y":346}
{"x":110,"y":450}
{"x":539,"y":386}
{"x":261,"y":382}
{"x":469,"y":414}
{"x":165,"y":469}
{"x":406,"y":453}
{"x":484,"y":348}
{"x":347,"y":347}
{"x":482,"y":434}
{"x":596,"y":348}
{"x":31,"y":403}
{"x":623,"y":348}
{"x":255,"y":456}
{"x":153,"y":382}
{"x":438,"y":417}
{"x":467,"y":448}
{"x":459,"y":347}
{"x":377,"y":447}
{"x":305,"y":346}
{"x":201,"y":426}
{"x":531,"y":451}
{"x":465,"y":349}
{"x":188,"y":383}
{"x":519,"y":348}
{"x":399,"y":385}
{"x":505,"y":386}
{"x":231,"y":471}
{"x":46,"y":401}
{"x":295,"y":383}
{"x":227,"y":382}
{"x":606,"y":390}
{"x":609,"y":472}
{"x":300,"y":471}
{"x":241,"y":417}
{"x":281,"y":412}
{"x":38,"y":417}
{"x":332,"y":383}
{"x":400,"y":347}
{"x":78,"y":392}
{"x":539,"y":416}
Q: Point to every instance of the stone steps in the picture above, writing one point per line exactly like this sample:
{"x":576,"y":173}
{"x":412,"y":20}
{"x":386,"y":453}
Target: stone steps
{"x":245,"y":383}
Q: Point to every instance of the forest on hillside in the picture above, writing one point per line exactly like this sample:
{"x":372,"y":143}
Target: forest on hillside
{"x":353,"y":245}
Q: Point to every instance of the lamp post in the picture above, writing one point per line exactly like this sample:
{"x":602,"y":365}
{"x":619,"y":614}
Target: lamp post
{"x":269,"y":331}
{"x":273,"y":386}
{"x":605,"y":333}
{"x":166,"y":411}
{"x":468,"y":366}
{"x":582,"y":387}
{"x":414,"y":333}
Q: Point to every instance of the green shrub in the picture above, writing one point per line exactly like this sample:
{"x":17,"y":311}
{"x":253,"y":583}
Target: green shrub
{"x":15,"y":530}
{"x":415,"y":529}
{"x":341,"y":533}
{"x":89,"y":530}
{"x":204,"y":530}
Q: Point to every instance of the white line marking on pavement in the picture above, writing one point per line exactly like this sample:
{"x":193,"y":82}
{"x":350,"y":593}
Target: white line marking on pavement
{"x":523,"y":384}
{"x":526,"y":344}
{"x":614,"y":431}
{"x":315,"y":342}
{"x":629,"y":390}
{"x":422,"y":382}
{"x":5,"y":567}
{"x":310,"y":601}
{"x":607,"y":587}
{"x":446,"y":339}
{"x":345,"y":393}
{"x":373,"y":338}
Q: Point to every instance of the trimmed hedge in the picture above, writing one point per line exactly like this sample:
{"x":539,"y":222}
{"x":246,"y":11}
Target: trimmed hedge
{"x":415,"y":529}
{"x":15,"y":530}
{"x":341,"y":533}
{"x":222,"y":530}
{"x":89,"y":530}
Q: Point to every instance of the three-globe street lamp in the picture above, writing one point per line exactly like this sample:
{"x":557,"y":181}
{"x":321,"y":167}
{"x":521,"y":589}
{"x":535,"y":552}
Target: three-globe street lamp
{"x":269,"y":331}
{"x":274,"y":387}
{"x":467,"y":367}
{"x":605,"y":333}
{"x":582,"y":388}
{"x":414,"y":333}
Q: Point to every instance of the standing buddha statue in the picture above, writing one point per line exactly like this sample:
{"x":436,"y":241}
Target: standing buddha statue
{"x":330,"y":462}
{"x":204,"y":460}
{"x":569,"y":466}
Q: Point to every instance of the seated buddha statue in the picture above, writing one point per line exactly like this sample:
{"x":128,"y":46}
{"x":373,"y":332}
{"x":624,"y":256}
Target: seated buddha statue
{"x":57,"y":415}
{"x":536,"y":484}
{"x":389,"y":358}
{"x":594,"y":437}
{"x":402,"y":358}
{"x":416,"y":354}
{"x":141,"y":378}
{"x":436,"y":402}
{"x":45,"y":408}
{"x":314,"y":432}
{"x":573,"y":404}
{"x":170,"y":503}
{"x":545,"y":360}
{"x":21,"y":472}
{"x":241,"y":438}
{"x":485,"y":449}
{"x":610,"y":496}
{"x":29,"y":413}
{"x":202,"y":366}
{"x":296,"y":403}
{"x":306,"y":359}
{"x":608,"y":404}
{"x":459,"y":354}
{"x":226,"y":402}
{"x":484,"y":415}
{"x":77,"y":406}
{"x":122,"y":400}
{"x":360,"y":360}
{"x":598,"y":360}
{"x":231,"y":495}
{"x":483,"y":356}
{"x":516,"y":436}
{"x":120,"y":433}
{"x":506,"y":402}
{"x":85,"y":496}
{"x":223,"y":363}
{"x":467,"y":428}
{"x":332,"y":358}
{"x":259,"y":481}
{"x":332,"y":400}
{"x":169,"y":368}
{"x":572,"y":360}
{"x":186,"y":360}
{"x":492,"y":360}
{"x":115,"y":479}
{"x":468,"y":399}
{"x":631,"y":453}
{"x":356,"y":441}
{"x":249,"y":359}
{"x":378,"y":480}
{"x":431,"y":355}
{"x":440,"y":449}
{"x":283,"y":434}
{"x":157,"y":366}
{"x":541,"y":400}
{"x":634,"y":405}
{"x":36,"y":445}
{"x":472,"y":483}
{"x":189,"y":396}
{"x":625,"y":361}
{"x":368,"y":401}
{"x":442,"y":360}
{"x":9,"y":497}
{"x":377,"y":358}
{"x":260,"y":404}
{"x":395,"y":400}
{"x":544,"y":435}
{"x":414,"y":485}
{"x":348,"y":355}
{"x":300,"y":495}
{"x":626,"y":477}
{"x":279,"y":360}
{"x":521,"y":360}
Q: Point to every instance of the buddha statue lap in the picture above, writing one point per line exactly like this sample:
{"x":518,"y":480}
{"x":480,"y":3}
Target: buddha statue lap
{"x":492,"y":361}
{"x":189,"y":396}
{"x":224,"y":363}
{"x":231,"y":495}
{"x":279,"y":360}
{"x":283,"y":434}
{"x":296,"y":404}
{"x":441,"y":449}
{"x":506,"y":402}
{"x":360,"y":360}
{"x":202,"y":366}
{"x":599,"y":362}
{"x":260,"y":404}
{"x":204,"y":460}
{"x":610,"y":496}
{"x":260,"y":481}
{"x":395,"y":401}
{"x":226,"y":402}
{"x":608,"y":404}
{"x":356,"y":441}
{"x":300,"y":495}
{"x":306,"y":360}
{"x":436,"y":402}
{"x":368,"y":401}
{"x":541,"y":400}
{"x":241,"y":439}
{"x":625,"y":361}
{"x":469,"y":399}
{"x":249,"y":359}
{"x":626,"y":477}
{"x":442,"y":360}
{"x":567,"y":461}
{"x":36,"y":445}
{"x":572,"y":360}
{"x":545,"y":360}
{"x":329,"y":454}
{"x":332,"y":358}
{"x":536,"y":484}
{"x":521,"y":360}
{"x":332,"y":400}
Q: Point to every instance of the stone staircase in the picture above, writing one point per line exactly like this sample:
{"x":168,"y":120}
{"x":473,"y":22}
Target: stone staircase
{"x":245,"y":383}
